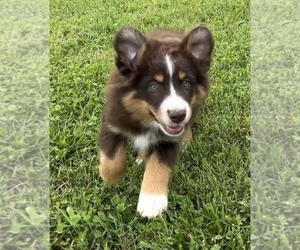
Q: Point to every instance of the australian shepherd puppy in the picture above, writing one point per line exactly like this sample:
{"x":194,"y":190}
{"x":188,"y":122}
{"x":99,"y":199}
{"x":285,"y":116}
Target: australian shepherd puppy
{"x":154,"y":92}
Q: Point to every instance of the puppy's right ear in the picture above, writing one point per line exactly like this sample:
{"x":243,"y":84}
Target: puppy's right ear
{"x":127,"y":43}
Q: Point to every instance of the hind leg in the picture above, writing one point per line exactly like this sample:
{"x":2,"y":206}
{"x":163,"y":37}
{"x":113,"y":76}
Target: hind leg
{"x":112,"y":156}
{"x":142,"y":156}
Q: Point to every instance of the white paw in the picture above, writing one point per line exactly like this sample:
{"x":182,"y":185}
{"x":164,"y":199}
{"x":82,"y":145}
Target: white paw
{"x":139,"y":161}
{"x":152,"y":205}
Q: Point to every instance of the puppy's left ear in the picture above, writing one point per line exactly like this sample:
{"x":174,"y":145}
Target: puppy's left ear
{"x":199,"y":42}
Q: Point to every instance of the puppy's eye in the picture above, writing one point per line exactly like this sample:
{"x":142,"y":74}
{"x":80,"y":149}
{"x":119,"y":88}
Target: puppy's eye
{"x":186,"y":83}
{"x":153,"y":86}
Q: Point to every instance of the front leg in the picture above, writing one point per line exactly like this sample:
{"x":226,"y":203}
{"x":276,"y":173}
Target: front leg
{"x":154,"y":191}
{"x":112,"y":156}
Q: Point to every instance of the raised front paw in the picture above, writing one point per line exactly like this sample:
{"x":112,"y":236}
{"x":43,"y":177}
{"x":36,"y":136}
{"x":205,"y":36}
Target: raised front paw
{"x":152,"y":205}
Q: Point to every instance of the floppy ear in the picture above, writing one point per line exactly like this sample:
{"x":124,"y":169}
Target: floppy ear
{"x":128,"y":41}
{"x":199,"y":42}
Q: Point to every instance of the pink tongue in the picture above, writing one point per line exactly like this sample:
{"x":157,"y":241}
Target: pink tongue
{"x":173,"y":130}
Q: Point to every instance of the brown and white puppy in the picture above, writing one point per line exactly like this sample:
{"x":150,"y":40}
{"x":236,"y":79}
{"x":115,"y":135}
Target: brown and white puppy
{"x":153,"y":94}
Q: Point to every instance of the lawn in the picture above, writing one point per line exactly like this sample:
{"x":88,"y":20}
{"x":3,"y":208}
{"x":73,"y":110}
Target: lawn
{"x":209,"y":199}
{"x":275,"y":123}
{"x":24,"y":143}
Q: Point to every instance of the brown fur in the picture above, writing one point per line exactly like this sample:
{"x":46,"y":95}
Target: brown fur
{"x":138,"y":109}
{"x":188,"y":136}
{"x":159,"y":77}
{"x":113,"y":170}
{"x":181,"y":75}
{"x":142,"y":155}
{"x":156,"y":177}
{"x":199,"y":97}
{"x":138,"y":85}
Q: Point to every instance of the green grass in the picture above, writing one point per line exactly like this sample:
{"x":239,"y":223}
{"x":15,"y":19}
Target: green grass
{"x":24,"y":141}
{"x":209,"y":200}
{"x":275,"y":122}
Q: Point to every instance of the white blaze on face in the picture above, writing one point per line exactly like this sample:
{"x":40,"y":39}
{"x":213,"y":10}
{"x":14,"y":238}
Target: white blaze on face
{"x":170,"y":66}
{"x":173,"y":102}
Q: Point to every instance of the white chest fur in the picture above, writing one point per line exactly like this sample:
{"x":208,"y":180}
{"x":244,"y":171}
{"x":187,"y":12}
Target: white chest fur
{"x":143,"y":142}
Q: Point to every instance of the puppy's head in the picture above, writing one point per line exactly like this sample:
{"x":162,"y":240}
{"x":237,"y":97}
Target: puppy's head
{"x":165,"y":74}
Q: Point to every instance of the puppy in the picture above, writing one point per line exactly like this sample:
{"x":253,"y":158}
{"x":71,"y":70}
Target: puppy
{"x":153,"y":94}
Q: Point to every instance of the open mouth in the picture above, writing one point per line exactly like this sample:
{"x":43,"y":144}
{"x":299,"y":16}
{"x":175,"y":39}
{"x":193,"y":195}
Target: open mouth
{"x":172,"y":130}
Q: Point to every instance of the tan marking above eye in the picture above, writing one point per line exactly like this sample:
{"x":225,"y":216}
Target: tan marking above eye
{"x":181,"y":75}
{"x":159,"y":78}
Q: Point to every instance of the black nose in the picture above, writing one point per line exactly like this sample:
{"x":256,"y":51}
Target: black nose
{"x":177,"y":115}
